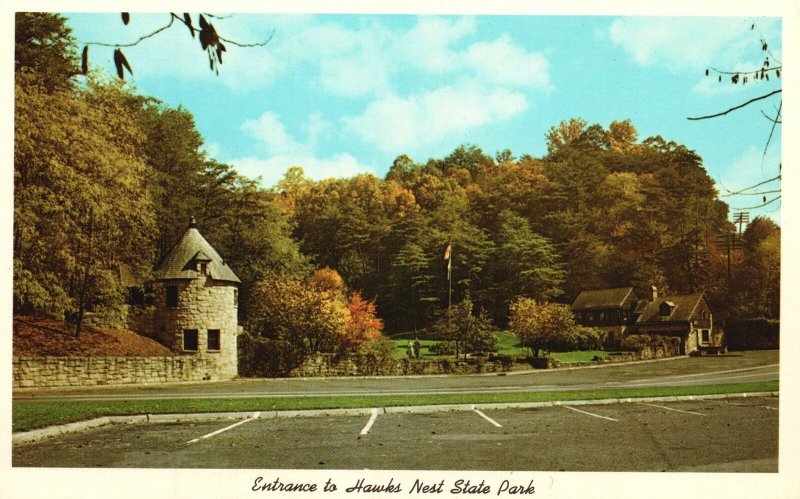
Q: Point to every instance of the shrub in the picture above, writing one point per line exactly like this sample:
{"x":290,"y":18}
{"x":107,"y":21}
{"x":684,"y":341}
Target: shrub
{"x":375,"y":357}
{"x":443,"y":348}
{"x":266,"y":358}
{"x":635,"y":342}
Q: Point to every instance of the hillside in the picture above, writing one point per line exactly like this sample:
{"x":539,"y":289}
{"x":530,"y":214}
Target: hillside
{"x":39,"y":336}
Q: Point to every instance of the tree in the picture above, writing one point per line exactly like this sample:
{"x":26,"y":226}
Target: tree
{"x":564,"y":134}
{"x":75,"y":158}
{"x":540,"y":326}
{"x":44,"y":46}
{"x":363,"y":324}
{"x":757,"y":282}
{"x":286,"y":309}
{"x":469,"y":332}
{"x":524,"y":263}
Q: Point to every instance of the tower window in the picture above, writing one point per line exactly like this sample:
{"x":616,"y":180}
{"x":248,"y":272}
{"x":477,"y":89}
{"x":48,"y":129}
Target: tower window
{"x":213,"y":339}
{"x":190,"y":340}
{"x":235,"y":297}
{"x":172,"y":296}
{"x":204,"y":268}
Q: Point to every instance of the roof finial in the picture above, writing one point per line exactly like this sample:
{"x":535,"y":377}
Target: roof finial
{"x":192,"y":223}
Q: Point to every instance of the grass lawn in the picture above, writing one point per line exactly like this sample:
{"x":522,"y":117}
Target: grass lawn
{"x":401,"y":345}
{"x":30,"y":414}
{"x":506,"y":344}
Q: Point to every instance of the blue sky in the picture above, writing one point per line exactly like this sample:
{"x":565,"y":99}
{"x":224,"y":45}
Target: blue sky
{"x":343,"y":94}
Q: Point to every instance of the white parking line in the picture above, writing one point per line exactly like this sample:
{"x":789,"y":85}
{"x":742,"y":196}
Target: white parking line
{"x":744,"y":405}
{"x":487,"y":418}
{"x":371,"y":421}
{"x":589,"y":413}
{"x":672,"y":409}
{"x":234,"y":425}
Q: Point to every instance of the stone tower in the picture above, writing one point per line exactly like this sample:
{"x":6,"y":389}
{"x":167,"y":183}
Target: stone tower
{"x":196,"y":298}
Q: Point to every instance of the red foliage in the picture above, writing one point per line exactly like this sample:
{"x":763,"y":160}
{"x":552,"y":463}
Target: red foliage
{"x":363,"y":324}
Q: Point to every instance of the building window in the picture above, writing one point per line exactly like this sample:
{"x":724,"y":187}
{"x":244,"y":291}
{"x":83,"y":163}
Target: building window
{"x":235,"y":297}
{"x":213,"y":339}
{"x":204,"y":268}
{"x":190,"y":340}
{"x":172,"y":296}
{"x":705,"y":336}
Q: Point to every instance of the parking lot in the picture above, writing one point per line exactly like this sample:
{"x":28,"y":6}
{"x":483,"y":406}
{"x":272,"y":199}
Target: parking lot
{"x":710,"y":435}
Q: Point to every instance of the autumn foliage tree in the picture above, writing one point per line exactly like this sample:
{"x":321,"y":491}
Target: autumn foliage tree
{"x":540,"y":326}
{"x":362,"y":324}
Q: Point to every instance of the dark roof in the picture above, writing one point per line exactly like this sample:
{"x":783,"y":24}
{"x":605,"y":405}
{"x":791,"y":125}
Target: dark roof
{"x":601,"y":298}
{"x":176,"y":264}
{"x":685,"y":306}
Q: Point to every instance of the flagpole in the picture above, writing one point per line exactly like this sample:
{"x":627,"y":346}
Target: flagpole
{"x":450,"y":287}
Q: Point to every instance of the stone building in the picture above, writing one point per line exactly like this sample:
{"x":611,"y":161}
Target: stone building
{"x":195,"y":303}
{"x":687,"y":317}
{"x":618,"y":312}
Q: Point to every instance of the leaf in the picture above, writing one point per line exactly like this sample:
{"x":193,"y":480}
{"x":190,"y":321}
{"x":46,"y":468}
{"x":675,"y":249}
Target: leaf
{"x":188,"y":20}
{"x":205,"y":38}
{"x":778,"y":73}
{"x":706,"y":72}
{"x":118,"y":63}
{"x":719,"y":78}
{"x":203,"y":23}
{"x":126,"y":18}
{"x":85,"y":60}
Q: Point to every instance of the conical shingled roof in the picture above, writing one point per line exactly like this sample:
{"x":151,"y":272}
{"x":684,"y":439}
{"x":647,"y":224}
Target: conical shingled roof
{"x":178,"y":262}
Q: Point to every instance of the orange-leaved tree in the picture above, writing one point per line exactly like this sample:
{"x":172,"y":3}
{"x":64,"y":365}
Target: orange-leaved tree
{"x":362,"y":324}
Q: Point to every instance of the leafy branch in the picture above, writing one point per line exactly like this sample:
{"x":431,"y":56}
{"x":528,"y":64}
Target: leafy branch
{"x":210,"y":41}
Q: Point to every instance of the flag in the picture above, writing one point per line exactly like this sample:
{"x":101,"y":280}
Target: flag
{"x":447,"y":254}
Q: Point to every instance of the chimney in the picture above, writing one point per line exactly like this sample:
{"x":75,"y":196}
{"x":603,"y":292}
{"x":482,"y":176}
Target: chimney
{"x":192,"y":223}
{"x":653,"y":293}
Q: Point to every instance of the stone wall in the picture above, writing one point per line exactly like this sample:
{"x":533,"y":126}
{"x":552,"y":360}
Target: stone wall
{"x":30,"y":372}
{"x":322,"y":365}
{"x":329,"y":365}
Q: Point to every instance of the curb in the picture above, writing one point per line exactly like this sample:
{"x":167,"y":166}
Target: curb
{"x":65,"y":429}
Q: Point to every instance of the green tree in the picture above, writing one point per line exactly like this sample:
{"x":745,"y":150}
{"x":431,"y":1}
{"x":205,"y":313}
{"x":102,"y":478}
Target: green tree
{"x":75,"y":158}
{"x":524,"y":264}
{"x":469,"y":333}
{"x":564,"y":134}
{"x":44,"y":46}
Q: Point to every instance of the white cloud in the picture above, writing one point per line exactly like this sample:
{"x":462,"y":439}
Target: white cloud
{"x":283,"y":150}
{"x":395,"y":123}
{"x":503,"y":62}
{"x":271,"y":134}
{"x":271,"y":169}
{"x":428,"y":44}
{"x":691,"y":43}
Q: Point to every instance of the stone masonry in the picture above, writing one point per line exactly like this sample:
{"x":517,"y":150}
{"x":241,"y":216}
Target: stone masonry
{"x":31,"y":372}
